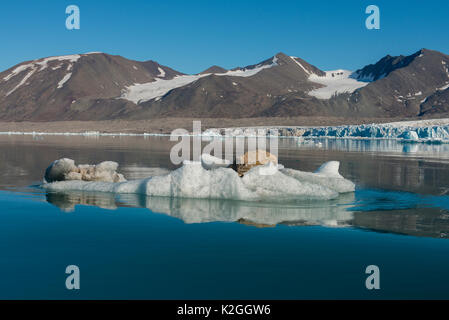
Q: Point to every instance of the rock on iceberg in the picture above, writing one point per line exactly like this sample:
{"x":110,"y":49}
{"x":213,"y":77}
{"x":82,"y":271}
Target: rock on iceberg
{"x":66,"y":170}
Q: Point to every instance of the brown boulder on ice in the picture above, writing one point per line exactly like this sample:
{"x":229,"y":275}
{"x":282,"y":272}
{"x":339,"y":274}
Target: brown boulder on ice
{"x":66,"y":170}
{"x":253,"y":159}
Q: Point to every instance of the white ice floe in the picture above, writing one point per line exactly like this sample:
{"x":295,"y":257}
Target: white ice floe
{"x":335,"y":82}
{"x":327,"y":175}
{"x":156,"y":89}
{"x":192,"y":180}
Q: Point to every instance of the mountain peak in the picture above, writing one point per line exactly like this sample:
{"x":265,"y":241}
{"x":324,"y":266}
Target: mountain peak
{"x":385,"y":66}
{"x":97,"y":86}
{"x":214,"y":69}
{"x":281,"y":55}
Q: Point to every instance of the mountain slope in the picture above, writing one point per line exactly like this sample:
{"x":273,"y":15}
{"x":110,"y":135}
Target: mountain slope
{"x":61,"y":87}
{"x":403,"y":90}
{"x":241,"y":92}
{"x":99,"y":86}
{"x":393,"y":87}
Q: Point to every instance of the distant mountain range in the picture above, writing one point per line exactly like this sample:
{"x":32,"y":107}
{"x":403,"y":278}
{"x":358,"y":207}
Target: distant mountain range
{"x":98,"y":86}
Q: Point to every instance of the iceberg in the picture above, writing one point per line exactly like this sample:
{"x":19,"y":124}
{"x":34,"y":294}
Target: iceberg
{"x":192,"y":180}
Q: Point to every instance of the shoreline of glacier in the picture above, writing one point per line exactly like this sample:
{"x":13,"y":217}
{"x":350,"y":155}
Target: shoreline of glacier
{"x":421,"y":131}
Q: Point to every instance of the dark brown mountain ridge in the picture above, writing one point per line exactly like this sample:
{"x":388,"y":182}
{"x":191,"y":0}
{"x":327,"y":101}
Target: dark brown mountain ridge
{"x":99,"y":86}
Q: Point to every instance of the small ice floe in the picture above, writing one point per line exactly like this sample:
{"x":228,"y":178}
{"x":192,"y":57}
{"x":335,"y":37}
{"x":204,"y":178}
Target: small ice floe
{"x":66,"y":170}
{"x":210,"y":178}
{"x":309,"y":142}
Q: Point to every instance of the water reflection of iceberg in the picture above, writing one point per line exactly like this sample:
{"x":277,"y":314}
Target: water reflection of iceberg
{"x":367,"y":145}
{"x":66,"y":201}
{"x":377,"y":210}
{"x":327,"y":213}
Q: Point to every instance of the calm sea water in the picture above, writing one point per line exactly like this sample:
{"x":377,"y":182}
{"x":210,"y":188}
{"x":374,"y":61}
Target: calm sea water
{"x":136,"y":247}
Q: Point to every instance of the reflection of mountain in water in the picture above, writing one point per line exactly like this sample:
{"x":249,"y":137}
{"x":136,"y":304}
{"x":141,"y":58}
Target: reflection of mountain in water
{"x":400,"y":213}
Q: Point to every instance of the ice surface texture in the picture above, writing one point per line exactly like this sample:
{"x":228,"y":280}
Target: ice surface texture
{"x":192,"y":180}
{"x":66,"y":170}
{"x":434,"y":130}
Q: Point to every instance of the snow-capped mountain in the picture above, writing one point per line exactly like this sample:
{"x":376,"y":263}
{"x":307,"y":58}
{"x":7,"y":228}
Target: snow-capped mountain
{"x":97,"y":86}
{"x":64,"y":87}
{"x":405,"y":86}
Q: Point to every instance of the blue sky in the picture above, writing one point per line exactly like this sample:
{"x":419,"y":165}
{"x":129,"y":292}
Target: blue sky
{"x":193,"y":35}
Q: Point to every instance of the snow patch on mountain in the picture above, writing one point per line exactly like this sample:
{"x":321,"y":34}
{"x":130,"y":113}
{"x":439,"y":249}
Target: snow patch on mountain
{"x":143,"y":92}
{"x":37,"y":66}
{"x":248,"y":72}
{"x":42,"y":63}
{"x":443,"y":87}
{"x":138,"y":93}
{"x":24,"y":80}
{"x":64,"y":80}
{"x":16,"y":71}
{"x":161,"y":72}
{"x":299,"y":64}
{"x":336,"y":82}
